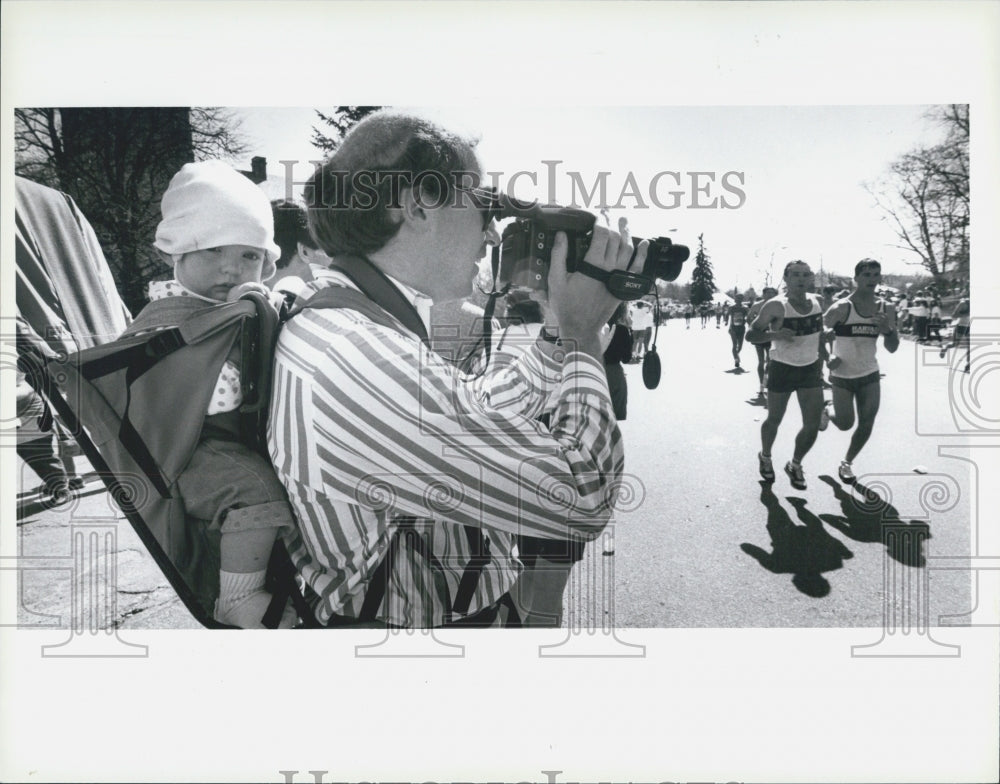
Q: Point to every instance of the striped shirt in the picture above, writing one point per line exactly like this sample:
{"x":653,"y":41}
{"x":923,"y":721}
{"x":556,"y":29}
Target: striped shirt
{"x":368,"y":425}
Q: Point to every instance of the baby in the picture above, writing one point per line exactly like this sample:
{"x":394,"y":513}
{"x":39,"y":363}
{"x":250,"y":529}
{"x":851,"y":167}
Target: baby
{"x":217,"y":234}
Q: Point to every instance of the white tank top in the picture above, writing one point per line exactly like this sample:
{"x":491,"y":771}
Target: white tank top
{"x":855,"y":345}
{"x":803,"y":349}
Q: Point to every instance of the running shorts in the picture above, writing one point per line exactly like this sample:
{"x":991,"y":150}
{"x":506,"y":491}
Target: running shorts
{"x":854,"y":384}
{"x":782,"y":377}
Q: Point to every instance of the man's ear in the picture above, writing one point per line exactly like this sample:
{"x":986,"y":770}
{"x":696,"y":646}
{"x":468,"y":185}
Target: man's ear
{"x":412,"y":210}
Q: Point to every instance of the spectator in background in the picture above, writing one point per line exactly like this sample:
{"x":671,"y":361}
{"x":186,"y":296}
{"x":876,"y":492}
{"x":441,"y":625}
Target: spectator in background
{"x":961,"y":322}
{"x":617,"y":351}
{"x":642,"y":328}
{"x":920,"y":312}
{"x":39,"y":447}
{"x":299,"y":252}
{"x":903,"y":314}
{"x":934,"y":322}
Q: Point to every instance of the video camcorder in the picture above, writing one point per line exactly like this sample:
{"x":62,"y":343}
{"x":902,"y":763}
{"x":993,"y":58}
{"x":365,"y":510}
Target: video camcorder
{"x":526,"y":248}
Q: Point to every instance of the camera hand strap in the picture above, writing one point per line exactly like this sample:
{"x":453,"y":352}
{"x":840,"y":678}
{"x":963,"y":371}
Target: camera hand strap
{"x":624,"y":285}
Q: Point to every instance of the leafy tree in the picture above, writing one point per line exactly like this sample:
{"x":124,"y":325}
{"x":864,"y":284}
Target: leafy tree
{"x":116,"y":163}
{"x":341,"y":121}
{"x":702,"y":277}
{"x":925,"y":195}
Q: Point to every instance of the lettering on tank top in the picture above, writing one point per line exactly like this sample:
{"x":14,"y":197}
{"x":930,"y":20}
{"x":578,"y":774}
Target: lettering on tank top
{"x":804,"y":325}
{"x":843,"y":330}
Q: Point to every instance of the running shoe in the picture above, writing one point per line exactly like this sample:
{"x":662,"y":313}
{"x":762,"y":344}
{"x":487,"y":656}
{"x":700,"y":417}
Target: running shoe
{"x":824,"y":416}
{"x":796,"y":476}
{"x":845,"y":473}
{"x":766,"y":467}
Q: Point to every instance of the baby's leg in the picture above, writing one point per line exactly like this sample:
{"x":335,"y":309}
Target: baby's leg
{"x":248,"y":536}
{"x":237,"y":490}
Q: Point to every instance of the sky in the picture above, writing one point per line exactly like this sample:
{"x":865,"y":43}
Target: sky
{"x":762,"y":185}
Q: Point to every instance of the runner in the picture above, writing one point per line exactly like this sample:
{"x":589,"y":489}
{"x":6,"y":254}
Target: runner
{"x":794,"y":324}
{"x":763,"y":349}
{"x":705,"y":309}
{"x":736,"y":317}
{"x":857,"y":321}
{"x":688,"y":313}
{"x":960,"y":330}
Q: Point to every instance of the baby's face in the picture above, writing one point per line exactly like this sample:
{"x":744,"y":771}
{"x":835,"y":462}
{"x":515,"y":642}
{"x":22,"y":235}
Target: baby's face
{"x":213,"y":272}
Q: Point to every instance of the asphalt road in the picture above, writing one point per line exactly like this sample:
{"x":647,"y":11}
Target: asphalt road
{"x":699,"y":541}
{"x":706,"y":543}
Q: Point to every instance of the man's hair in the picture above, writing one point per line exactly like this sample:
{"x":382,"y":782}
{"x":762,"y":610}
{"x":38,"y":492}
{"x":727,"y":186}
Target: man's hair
{"x":791,"y":264}
{"x":864,"y":264}
{"x":767,"y":289}
{"x":290,"y":228}
{"x":350,"y":196}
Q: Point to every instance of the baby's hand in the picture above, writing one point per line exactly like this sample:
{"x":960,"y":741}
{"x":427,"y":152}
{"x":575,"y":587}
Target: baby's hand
{"x":245,"y":288}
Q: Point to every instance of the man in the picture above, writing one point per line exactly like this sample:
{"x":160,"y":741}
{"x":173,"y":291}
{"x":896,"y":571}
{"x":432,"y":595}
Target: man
{"x":960,"y":319}
{"x":920,"y":312}
{"x":736,"y":317}
{"x":299,"y":253}
{"x":409,"y":481}
{"x":763,"y":349}
{"x":793,"y":324}
{"x":857,"y":321}
{"x":642,"y":328}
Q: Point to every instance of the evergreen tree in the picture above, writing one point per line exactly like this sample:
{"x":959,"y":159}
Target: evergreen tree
{"x":702,"y":278}
{"x":341,"y":121}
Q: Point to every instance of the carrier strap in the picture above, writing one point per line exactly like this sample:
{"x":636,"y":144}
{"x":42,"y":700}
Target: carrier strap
{"x":376,"y":288}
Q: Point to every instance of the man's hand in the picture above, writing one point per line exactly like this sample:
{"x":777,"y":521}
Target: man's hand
{"x":580,"y":304}
{"x":245,"y":288}
{"x":886,"y":321}
{"x":783,"y":333}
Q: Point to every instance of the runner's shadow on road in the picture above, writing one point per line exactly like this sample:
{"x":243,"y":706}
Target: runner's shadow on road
{"x":867,"y":517}
{"x":804,"y":551}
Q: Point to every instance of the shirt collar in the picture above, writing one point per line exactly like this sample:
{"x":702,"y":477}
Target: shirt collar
{"x":421,"y":302}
